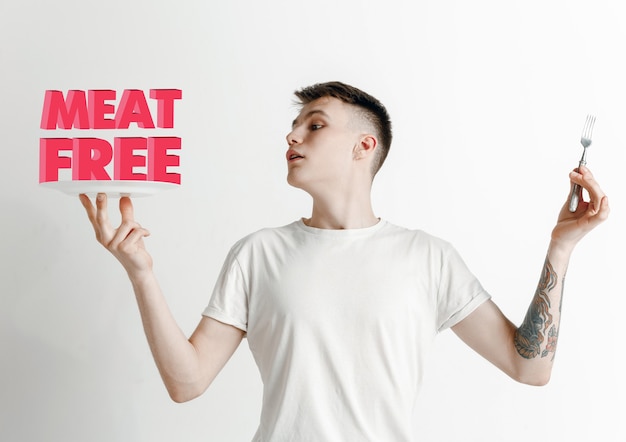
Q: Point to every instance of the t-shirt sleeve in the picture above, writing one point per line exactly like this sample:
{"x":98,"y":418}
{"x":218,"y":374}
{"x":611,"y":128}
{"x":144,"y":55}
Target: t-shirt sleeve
{"x":229,"y":301}
{"x":460,"y":293}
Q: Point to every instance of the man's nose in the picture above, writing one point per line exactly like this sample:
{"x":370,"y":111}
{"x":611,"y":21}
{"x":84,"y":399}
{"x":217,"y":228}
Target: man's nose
{"x":293,"y":137}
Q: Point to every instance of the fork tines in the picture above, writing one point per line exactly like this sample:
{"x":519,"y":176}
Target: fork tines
{"x":587,"y":130}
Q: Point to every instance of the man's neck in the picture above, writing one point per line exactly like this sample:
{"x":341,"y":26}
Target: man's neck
{"x":342,"y":212}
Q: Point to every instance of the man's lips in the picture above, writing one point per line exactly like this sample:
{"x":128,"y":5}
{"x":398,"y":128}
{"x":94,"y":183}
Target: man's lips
{"x":293,"y":155}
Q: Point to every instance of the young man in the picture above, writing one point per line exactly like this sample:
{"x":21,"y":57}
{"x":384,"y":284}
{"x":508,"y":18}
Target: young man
{"x":340,"y":308}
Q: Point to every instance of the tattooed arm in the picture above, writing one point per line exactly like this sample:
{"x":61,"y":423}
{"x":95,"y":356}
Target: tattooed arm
{"x":540,"y":320}
{"x":526,"y":353}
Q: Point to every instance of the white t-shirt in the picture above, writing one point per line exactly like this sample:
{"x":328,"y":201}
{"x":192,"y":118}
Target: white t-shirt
{"x":340,"y":323}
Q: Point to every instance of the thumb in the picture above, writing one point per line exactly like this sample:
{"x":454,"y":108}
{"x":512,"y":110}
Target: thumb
{"x":126,"y":209}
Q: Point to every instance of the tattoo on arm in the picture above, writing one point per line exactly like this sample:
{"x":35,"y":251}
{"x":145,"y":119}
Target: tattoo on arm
{"x":531,"y":334}
{"x":553,"y":336}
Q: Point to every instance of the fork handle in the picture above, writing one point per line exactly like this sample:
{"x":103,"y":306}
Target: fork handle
{"x":573,"y":198}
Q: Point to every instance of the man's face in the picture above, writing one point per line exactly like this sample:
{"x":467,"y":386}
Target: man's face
{"x":321,"y":145}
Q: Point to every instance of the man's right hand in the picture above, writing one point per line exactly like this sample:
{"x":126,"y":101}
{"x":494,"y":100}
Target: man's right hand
{"x":125,"y":242}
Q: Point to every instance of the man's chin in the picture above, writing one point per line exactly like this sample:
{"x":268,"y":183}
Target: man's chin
{"x":293,"y":182}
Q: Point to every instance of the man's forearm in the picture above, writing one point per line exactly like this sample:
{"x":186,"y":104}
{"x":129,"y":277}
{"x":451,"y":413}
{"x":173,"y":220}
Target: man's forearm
{"x":174,"y":355}
{"x":536,"y":338}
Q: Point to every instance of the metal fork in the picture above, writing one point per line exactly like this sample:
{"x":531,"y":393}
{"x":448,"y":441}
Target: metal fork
{"x":585,"y":140}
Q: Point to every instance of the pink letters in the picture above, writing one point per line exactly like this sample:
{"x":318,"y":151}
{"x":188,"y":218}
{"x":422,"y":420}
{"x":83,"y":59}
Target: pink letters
{"x":133,"y":109}
{"x":49,"y":159}
{"x":165,"y":110}
{"x":98,"y":109}
{"x":157,"y":150}
{"x":88,"y":158}
{"x":126,"y":160}
{"x":65,"y":113}
{"x":73,"y":112}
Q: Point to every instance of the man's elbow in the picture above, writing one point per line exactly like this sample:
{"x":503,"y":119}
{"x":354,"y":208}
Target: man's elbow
{"x":535,"y":379}
{"x":182,"y":395}
{"x":181,"y":398}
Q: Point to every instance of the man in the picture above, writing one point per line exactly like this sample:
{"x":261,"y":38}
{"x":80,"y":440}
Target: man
{"x":340,"y":308}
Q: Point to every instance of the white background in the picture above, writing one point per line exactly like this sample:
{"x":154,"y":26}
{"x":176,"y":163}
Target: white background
{"x":488,"y":99}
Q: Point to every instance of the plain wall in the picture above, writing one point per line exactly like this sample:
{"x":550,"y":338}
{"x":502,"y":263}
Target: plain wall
{"x":488,"y":100}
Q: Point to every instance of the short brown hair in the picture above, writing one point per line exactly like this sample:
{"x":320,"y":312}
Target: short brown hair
{"x":372,"y":110}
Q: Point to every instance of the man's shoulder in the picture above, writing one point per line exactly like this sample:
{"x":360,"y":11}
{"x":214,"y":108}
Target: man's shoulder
{"x":266,"y":235}
{"x":413,"y":234}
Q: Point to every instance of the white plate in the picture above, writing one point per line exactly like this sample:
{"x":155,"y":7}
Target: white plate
{"x":112,"y":188}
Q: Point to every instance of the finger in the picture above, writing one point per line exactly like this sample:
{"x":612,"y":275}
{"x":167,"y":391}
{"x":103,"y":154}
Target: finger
{"x":600,"y":212}
{"x":89,"y":208}
{"x":122,"y":232}
{"x":134,"y":237}
{"x":104,"y":230}
{"x":127,"y":233}
{"x":101,"y":207}
{"x":596,"y":194}
{"x":605,"y":209}
{"x":585,"y":179}
{"x":584,"y":173}
{"x":575,"y":177}
{"x":597,"y":209}
{"x":126,"y":209}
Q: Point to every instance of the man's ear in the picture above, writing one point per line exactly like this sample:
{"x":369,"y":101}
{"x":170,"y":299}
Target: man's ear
{"x":366,"y":147}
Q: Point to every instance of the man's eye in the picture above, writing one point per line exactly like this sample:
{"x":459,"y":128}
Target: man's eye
{"x":316,"y":126}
